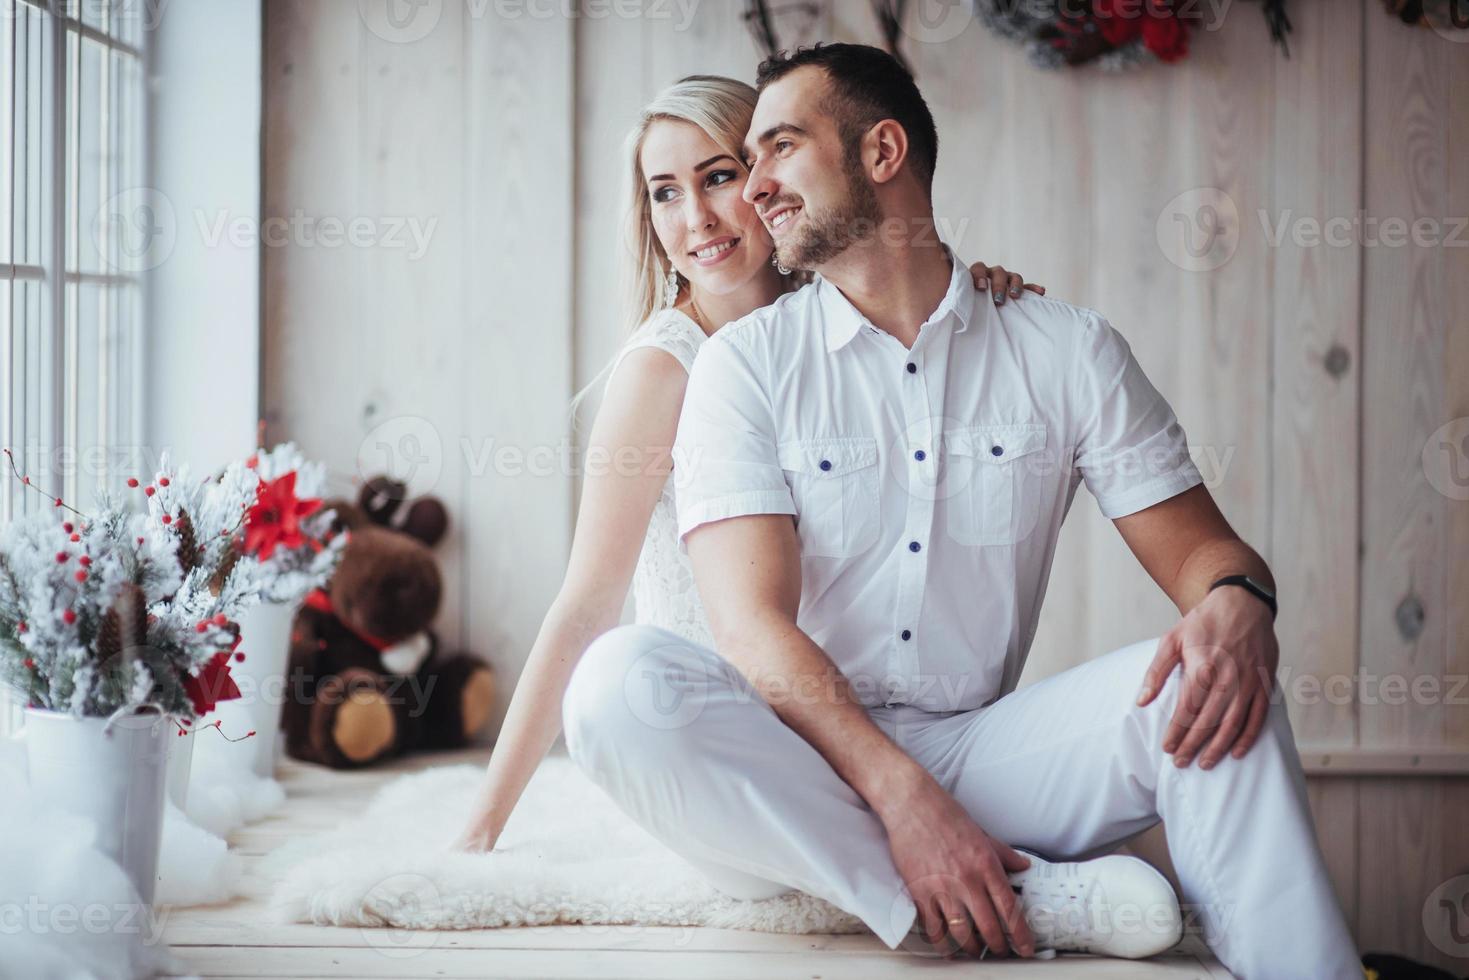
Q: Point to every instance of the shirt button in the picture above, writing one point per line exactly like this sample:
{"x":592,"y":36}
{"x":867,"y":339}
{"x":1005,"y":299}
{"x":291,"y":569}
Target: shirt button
{"x":906,"y":634}
{"x":914,"y":546}
{"x":825,"y":464}
{"x":996,"y":451}
{"x":912,"y":368}
{"x":920,"y":455}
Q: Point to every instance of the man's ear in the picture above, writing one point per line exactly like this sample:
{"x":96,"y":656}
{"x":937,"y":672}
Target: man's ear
{"x":885,"y":150}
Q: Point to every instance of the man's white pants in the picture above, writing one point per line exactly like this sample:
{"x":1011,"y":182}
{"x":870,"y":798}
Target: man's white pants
{"x":1068,"y":767}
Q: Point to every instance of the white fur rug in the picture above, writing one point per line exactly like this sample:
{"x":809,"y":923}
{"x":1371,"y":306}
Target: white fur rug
{"x":568,"y":855}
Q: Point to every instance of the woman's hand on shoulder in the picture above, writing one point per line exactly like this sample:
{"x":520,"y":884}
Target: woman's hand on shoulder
{"x":1000,"y":283}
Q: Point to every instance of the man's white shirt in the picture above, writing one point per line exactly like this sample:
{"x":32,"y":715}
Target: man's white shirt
{"x":928,"y":485}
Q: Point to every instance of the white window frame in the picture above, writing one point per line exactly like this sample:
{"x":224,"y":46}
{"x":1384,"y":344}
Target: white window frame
{"x":71,"y":371}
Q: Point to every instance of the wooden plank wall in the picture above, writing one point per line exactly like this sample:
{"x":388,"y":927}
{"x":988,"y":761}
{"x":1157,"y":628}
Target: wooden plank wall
{"x":1310,"y":377}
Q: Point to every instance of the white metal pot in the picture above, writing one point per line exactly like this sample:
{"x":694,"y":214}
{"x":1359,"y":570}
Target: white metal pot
{"x":265,"y":639}
{"x":180,"y":761}
{"x":111,"y":773}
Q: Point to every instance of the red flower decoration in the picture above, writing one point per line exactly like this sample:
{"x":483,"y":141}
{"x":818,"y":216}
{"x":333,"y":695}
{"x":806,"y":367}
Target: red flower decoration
{"x":276,"y":517}
{"x":1166,"y":37}
{"x":1124,"y":21}
{"x":212,"y":684}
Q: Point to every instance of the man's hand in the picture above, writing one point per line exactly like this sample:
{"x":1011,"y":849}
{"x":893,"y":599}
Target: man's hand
{"x":1229,"y":653}
{"x":955,"y":871}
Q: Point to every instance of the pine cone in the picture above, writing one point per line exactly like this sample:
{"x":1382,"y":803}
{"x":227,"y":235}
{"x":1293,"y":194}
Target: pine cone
{"x":188,"y":546}
{"x":125,"y":625}
{"x":216,"y":584}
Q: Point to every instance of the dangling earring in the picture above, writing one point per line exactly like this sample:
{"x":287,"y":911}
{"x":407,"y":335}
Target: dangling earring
{"x":775,"y":261}
{"x":670,"y":287}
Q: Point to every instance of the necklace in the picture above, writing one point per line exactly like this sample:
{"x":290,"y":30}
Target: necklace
{"x":698,"y":314}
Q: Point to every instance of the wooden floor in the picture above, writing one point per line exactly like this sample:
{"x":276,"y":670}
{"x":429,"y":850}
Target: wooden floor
{"x":239,"y":940}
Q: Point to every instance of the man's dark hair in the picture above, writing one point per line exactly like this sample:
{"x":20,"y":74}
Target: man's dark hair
{"x":868,"y":85}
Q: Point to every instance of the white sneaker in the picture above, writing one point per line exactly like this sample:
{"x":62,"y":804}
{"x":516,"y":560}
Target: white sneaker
{"x":1115,"y":905}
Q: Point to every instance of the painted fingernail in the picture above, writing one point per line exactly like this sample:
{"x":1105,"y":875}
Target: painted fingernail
{"x":1207,"y":764}
{"x":1015,"y":291}
{"x":984,"y":284}
{"x":999,"y":297}
{"x":1144,"y":694}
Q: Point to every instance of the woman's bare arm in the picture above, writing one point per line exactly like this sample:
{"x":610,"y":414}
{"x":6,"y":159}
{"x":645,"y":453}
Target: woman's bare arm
{"x":628,"y":461}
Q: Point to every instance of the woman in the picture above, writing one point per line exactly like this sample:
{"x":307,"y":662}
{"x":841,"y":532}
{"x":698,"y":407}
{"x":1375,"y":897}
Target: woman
{"x":702,"y":259}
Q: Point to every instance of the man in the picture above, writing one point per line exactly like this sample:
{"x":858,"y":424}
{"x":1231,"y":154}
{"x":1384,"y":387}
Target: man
{"x":858,"y":734}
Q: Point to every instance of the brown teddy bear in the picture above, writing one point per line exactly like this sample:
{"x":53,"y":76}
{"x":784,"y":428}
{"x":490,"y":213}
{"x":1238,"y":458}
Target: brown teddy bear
{"x":366,"y":679}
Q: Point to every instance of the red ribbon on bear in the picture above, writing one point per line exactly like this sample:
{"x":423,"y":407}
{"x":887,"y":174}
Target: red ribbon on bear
{"x":321,"y":601}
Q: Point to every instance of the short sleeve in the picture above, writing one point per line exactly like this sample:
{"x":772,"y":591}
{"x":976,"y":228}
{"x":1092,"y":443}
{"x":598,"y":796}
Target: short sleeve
{"x":725,"y":460}
{"x":667,"y":331}
{"x":1130,"y":448}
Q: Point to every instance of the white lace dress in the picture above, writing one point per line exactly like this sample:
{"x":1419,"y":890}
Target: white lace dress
{"x":663,"y":583}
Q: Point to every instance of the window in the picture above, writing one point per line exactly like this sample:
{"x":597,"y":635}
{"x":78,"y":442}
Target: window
{"x":71,"y":212}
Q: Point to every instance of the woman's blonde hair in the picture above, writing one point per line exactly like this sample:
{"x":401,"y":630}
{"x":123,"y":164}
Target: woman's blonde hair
{"x":722,"y":108}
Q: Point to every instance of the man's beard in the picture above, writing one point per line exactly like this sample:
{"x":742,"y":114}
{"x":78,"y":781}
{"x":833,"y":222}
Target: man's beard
{"x":827,"y":234}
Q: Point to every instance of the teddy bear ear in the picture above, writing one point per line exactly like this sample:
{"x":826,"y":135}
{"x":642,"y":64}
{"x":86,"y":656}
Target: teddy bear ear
{"x":348,"y":515}
{"x":380,"y":498}
{"x":427,"y":520}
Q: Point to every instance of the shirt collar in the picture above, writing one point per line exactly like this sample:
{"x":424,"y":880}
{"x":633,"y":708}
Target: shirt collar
{"x":841,"y":320}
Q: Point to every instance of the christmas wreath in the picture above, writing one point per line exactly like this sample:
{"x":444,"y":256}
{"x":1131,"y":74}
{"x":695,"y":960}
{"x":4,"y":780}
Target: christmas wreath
{"x":1113,"y":34}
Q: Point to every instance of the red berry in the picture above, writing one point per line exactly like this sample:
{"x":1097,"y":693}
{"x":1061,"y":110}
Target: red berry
{"x":200,"y":627}
{"x":163,"y":481}
{"x":28,"y":663}
{"x":66,"y":526}
{"x":61,"y":558}
{"x":58,"y":501}
{"x":168,"y":518}
{"x":21,"y":626}
{"x":132,"y":481}
{"x":140,"y":541}
{"x":239,"y":658}
{"x":220,"y":619}
{"x":149,"y":491}
{"x":85,"y":561}
{"x":81,"y":576}
{"x":76,"y":537}
{"x":252,"y":462}
{"x":69,"y":617}
{"x":26,"y":480}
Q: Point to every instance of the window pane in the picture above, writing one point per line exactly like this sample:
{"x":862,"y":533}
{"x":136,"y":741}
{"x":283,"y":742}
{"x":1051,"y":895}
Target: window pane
{"x":7,"y":422}
{"x":25,"y":393}
{"x":7,"y":126}
{"x":86,"y":148}
{"x":36,"y":103}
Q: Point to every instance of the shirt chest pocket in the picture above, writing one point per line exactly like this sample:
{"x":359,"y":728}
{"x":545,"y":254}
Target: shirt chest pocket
{"x":835,"y":485}
{"x":993,"y":484}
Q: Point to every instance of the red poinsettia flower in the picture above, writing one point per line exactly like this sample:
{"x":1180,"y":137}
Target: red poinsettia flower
{"x":1124,"y":21}
{"x":276,"y":517}
{"x":1120,"y":21}
{"x":1166,"y":37}
{"x":212,"y":684}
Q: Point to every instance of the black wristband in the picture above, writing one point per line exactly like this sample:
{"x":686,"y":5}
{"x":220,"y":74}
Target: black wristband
{"x":1243,"y":581}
